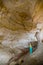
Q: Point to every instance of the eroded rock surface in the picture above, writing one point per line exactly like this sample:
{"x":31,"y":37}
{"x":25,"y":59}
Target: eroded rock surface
{"x":19,"y":21}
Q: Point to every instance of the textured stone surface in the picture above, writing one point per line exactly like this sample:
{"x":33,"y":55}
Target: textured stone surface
{"x":18,"y":25}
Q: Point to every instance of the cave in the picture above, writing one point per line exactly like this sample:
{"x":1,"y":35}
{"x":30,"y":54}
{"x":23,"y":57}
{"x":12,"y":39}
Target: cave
{"x":21,"y":32}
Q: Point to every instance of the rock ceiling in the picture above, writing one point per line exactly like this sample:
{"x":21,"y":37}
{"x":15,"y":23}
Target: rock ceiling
{"x":20,"y":14}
